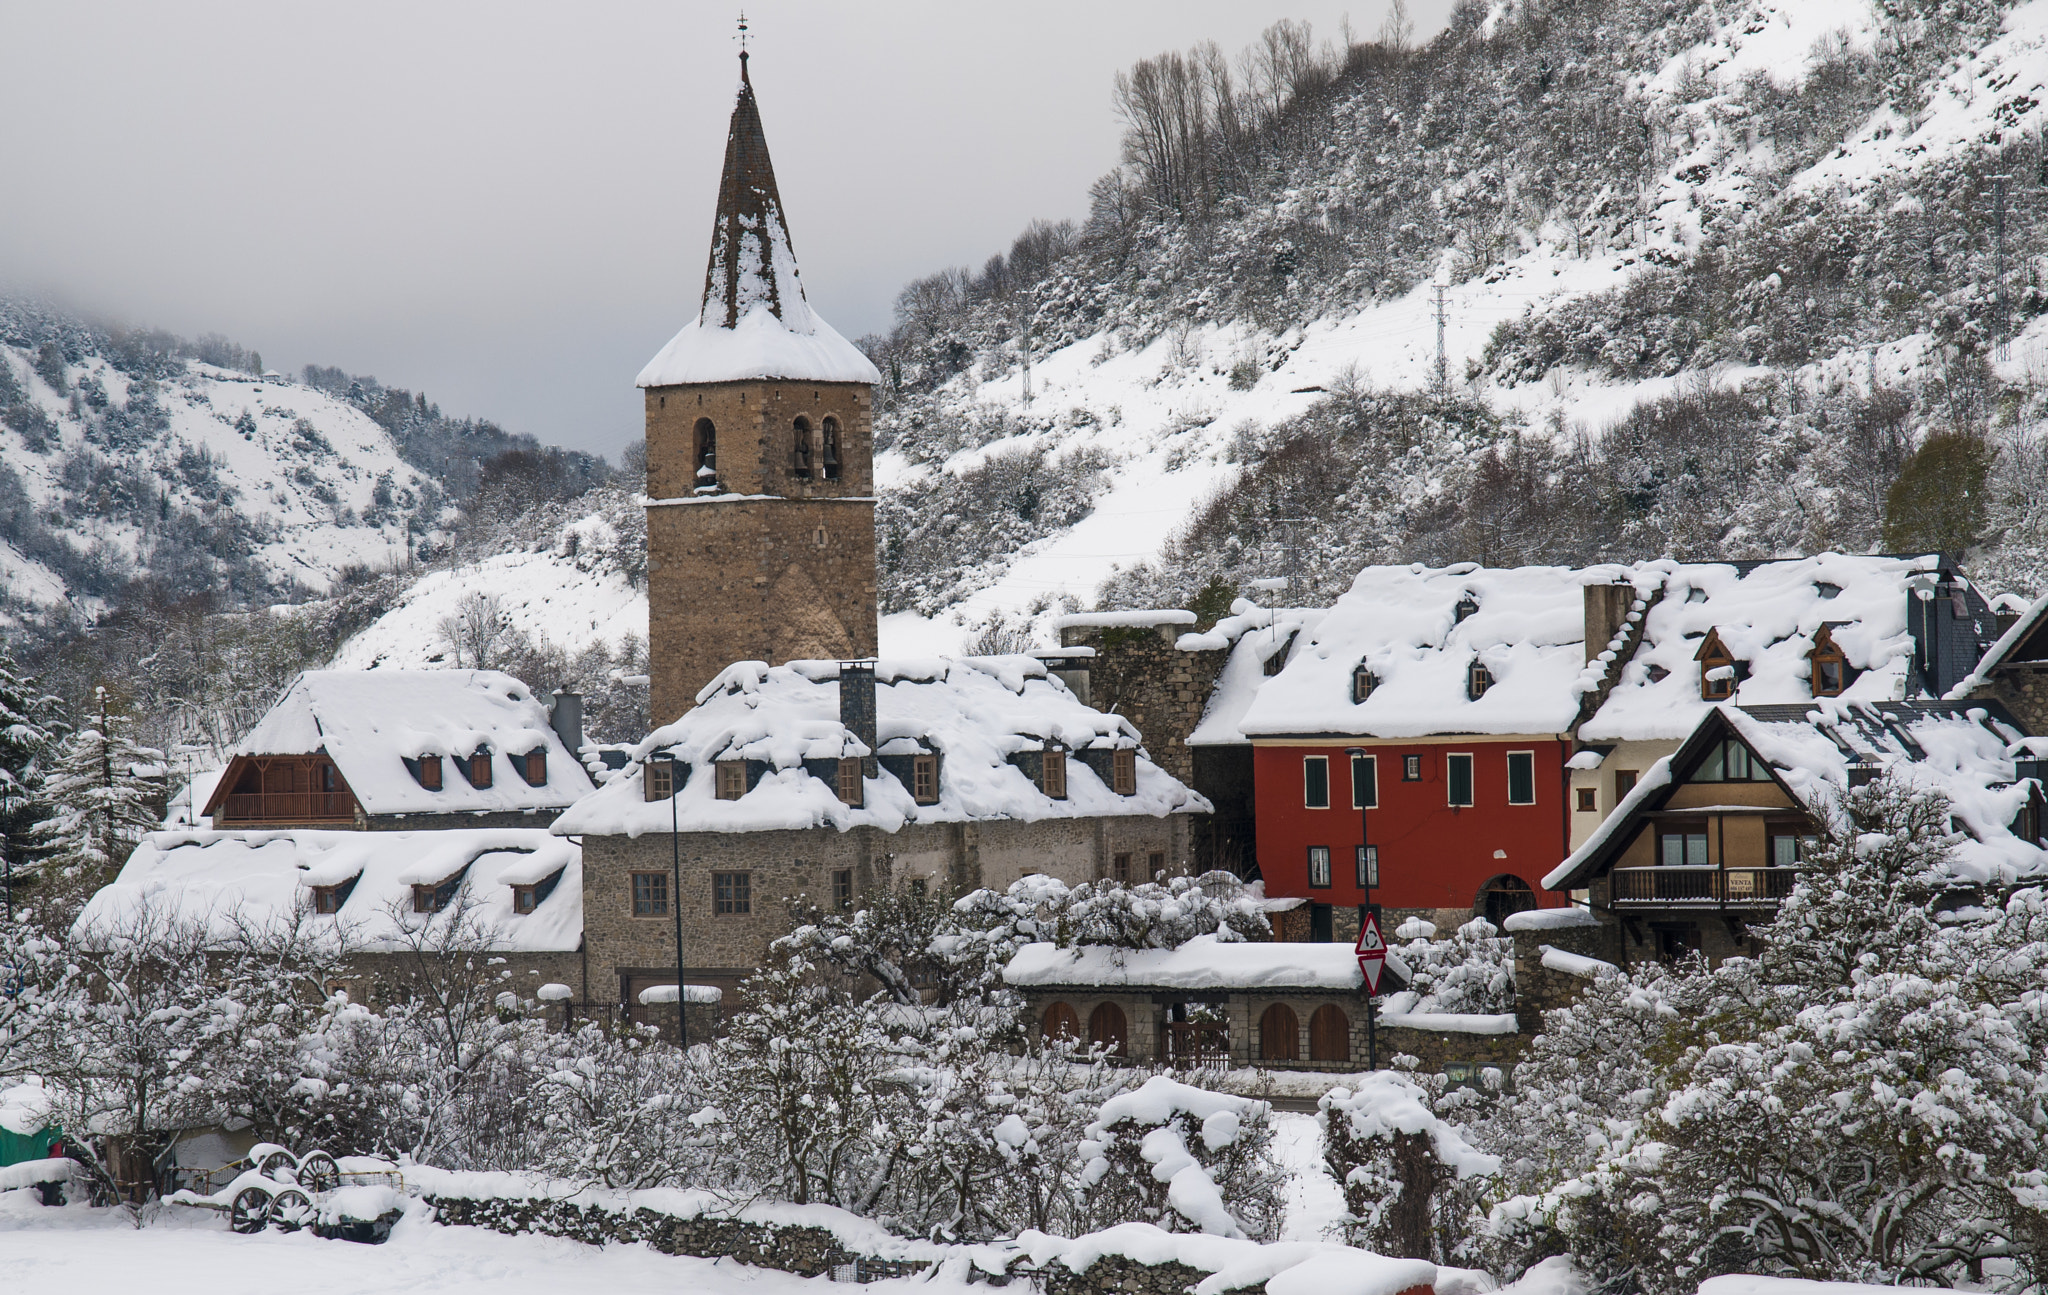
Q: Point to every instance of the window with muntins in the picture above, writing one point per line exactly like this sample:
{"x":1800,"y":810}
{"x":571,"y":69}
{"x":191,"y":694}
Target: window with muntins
{"x":1788,"y":848}
{"x":1120,"y":868}
{"x":658,"y":776}
{"x":1362,"y":683}
{"x":924,"y":779}
{"x":850,"y":783}
{"x":1319,"y":867}
{"x":1477,"y":681}
{"x":1828,"y":669}
{"x":1731,"y":761}
{"x":1411,"y":768}
{"x":842,"y":889}
{"x":1052,"y":774}
{"x":1315,"y":781}
{"x":650,"y":894}
{"x":1123,"y":773}
{"x":731,"y":779}
{"x":1368,"y":867}
{"x":1521,"y":777}
{"x":1682,"y":849}
{"x":1458,"y":779}
{"x":1365,"y":782}
{"x":732,"y":893}
{"x":1717,"y":669}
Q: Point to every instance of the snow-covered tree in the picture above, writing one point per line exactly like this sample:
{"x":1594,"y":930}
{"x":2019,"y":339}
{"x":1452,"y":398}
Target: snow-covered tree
{"x":1411,"y":1177}
{"x":102,"y":800}
{"x":1183,"y":1158}
{"x":1473,"y":971}
{"x":27,"y":739}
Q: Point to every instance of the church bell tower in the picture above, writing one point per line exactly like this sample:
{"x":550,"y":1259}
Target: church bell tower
{"x":760,"y":464}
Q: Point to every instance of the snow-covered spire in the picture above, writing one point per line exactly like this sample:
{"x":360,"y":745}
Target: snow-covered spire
{"x":753,"y":321}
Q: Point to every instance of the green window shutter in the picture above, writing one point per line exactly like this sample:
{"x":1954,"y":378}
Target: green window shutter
{"x":1458,"y":773}
{"x":1521,"y":778}
{"x":1315,"y":782}
{"x":1365,"y":782}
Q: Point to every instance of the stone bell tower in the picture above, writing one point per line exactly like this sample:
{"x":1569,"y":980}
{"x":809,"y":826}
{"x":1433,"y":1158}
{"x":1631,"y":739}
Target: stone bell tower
{"x":760,"y":471}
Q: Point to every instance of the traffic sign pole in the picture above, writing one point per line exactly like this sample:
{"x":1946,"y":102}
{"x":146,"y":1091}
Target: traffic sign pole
{"x":1372,"y":961}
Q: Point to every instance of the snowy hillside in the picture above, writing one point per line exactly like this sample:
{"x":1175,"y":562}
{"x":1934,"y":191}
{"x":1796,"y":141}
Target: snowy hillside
{"x":208,"y":477}
{"x":1710,"y":275}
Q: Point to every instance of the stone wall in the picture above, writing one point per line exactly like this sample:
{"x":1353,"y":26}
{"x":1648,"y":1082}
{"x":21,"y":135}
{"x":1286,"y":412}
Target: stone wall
{"x":1137,"y":672}
{"x":722,"y":948}
{"x":1439,"y":1049}
{"x":378,"y":978}
{"x":2024,"y":692}
{"x":1538,"y":989}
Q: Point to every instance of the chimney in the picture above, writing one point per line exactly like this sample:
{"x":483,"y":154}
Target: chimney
{"x":857,"y":707}
{"x":1606,"y":610}
{"x":566,"y":718}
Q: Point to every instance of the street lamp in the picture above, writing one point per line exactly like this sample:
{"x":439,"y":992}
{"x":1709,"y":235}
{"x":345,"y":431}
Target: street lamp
{"x":676,"y":770}
{"x":1368,"y":879}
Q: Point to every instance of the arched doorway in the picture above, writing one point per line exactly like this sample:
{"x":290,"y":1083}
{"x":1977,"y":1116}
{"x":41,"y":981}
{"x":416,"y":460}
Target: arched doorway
{"x":1503,"y":897}
{"x":1279,"y":1034}
{"x":1108,"y":1027}
{"x":1061,"y":1021}
{"x":1329,"y":1034}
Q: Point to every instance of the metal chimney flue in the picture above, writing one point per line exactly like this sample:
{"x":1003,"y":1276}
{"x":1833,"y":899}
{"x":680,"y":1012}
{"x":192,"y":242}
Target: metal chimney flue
{"x":566,"y":718}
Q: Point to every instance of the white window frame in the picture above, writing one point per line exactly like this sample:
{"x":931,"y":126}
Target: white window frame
{"x":1306,"y":761}
{"x":1471,"y":779}
{"x":1373,"y":761}
{"x":1313,"y":884}
{"x":1511,"y":777}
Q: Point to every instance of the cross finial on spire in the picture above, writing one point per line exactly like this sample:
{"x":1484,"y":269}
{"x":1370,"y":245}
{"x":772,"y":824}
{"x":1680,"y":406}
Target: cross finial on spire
{"x":742,"y":39}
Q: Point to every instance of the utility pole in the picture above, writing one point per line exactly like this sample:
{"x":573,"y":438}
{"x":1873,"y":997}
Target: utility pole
{"x":1443,"y":385}
{"x":675,"y":895}
{"x":2003,"y":348}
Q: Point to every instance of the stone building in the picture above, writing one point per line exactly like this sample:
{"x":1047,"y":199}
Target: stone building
{"x":760,"y":477}
{"x":821,"y":781}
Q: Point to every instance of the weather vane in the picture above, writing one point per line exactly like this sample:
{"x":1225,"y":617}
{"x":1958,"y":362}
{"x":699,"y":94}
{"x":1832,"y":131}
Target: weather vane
{"x":742,"y":37}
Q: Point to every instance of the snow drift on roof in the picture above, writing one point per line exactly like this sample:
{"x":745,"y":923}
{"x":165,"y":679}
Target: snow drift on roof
{"x":1202,"y":963}
{"x":256,"y":878}
{"x":1253,"y":634}
{"x":1528,"y":631}
{"x":370,"y":722}
{"x":974,"y":713}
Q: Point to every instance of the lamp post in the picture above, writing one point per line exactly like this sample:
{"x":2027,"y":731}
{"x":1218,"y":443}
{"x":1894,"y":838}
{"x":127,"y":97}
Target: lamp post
{"x":1368,"y":878}
{"x":675,"y":892}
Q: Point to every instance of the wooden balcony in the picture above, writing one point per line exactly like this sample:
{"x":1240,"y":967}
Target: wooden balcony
{"x":289,"y":807}
{"x":1701,"y":887}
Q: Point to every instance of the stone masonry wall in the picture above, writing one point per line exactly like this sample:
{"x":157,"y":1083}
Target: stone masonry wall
{"x":721,"y":949}
{"x":1138,"y":673}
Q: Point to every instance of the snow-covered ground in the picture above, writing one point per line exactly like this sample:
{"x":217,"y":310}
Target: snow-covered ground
{"x":545,"y":596}
{"x":191,"y":1252}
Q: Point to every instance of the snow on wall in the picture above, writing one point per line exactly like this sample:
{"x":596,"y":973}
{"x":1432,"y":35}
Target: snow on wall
{"x":371,"y":721}
{"x":1202,"y":963}
{"x":975,"y":713}
{"x":220,"y":879}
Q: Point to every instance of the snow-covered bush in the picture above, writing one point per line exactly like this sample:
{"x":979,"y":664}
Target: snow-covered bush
{"x":1860,"y":1102}
{"x":1410,"y":1177}
{"x":1184,"y":1159}
{"x":1472,"y":972}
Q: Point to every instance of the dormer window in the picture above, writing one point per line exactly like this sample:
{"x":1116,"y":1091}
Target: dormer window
{"x":1477,"y":681}
{"x":1717,"y":668}
{"x":327,"y":900}
{"x":533,"y":766}
{"x":1123,"y":772}
{"x":1467,"y":607}
{"x":850,"y":784}
{"x":432,"y":897}
{"x":1363,"y":681}
{"x":1827,"y":667}
{"x":528,"y":897}
{"x":479,"y":768}
{"x":924,"y":779}
{"x":731,"y":779}
{"x":658,"y":778}
{"x":1052,"y":774}
{"x":430,"y":772}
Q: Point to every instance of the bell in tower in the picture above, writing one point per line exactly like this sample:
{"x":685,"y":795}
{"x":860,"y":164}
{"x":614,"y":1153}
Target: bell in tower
{"x":760,"y":473}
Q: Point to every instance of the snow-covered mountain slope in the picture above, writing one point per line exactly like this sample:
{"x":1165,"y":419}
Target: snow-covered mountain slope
{"x":1788,"y":201}
{"x":207,"y":476}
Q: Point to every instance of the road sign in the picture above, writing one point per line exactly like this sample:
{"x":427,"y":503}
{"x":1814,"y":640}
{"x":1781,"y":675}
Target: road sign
{"x":1372,"y":952}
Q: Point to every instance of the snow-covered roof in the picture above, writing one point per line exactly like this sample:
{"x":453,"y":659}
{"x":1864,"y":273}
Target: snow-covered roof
{"x":973,"y":712}
{"x":754,"y":321}
{"x":224,"y":879}
{"x":1204,"y":962}
{"x":2017,"y":644}
{"x":1253,"y":634}
{"x":370,"y":722}
{"x":1966,"y":752}
{"x":1766,"y":614}
{"x":1526,"y":625}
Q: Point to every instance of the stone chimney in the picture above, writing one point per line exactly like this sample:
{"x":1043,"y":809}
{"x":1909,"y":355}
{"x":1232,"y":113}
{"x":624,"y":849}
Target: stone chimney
{"x":1606,"y":611}
{"x":566,"y":718}
{"x":857,"y":707}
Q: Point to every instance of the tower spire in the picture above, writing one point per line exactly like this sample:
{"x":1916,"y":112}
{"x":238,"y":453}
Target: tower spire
{"x":752,"y":263}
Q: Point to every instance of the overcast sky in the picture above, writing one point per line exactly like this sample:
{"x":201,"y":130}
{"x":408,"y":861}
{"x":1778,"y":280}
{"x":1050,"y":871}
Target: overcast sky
{"x":508,"y":205}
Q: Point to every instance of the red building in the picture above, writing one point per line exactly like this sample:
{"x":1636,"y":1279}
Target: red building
{"x":1452,"y":823}
{"x":1463,"y":686}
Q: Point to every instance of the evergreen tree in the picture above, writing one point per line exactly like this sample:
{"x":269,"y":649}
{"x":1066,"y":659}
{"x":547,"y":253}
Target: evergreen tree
{"x":101,"y":803}
{"x":26,"y":743}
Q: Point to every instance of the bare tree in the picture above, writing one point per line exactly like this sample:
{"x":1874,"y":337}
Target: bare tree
{"x":479,"y":631}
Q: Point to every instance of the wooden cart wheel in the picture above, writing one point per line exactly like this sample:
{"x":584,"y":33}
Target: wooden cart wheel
{"x":250,"y":1211}
{"x":290,"y":1210}
{"x":318,"y":1172}
{"x":279,"y":1165}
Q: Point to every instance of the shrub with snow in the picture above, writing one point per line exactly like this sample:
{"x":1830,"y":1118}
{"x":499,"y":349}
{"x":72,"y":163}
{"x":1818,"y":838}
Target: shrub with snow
{"x":1184,"y":1159}
{"x":1409,"y":1176}
{"x":1471,"y":972}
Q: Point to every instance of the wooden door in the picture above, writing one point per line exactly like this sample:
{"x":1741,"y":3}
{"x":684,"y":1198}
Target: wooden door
{"x":1108,"y":1027}
{"x":1280,"y":1034}
{"x":1329,"y":1034}
{"x":1061,"y":1021}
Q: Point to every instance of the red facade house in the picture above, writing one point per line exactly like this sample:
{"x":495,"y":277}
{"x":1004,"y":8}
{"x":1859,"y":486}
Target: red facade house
{"x":1463,"y":686}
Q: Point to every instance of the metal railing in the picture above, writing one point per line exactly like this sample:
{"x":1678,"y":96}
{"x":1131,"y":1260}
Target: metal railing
{"x":1702,"y":887}
{"x":290,"y":806}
